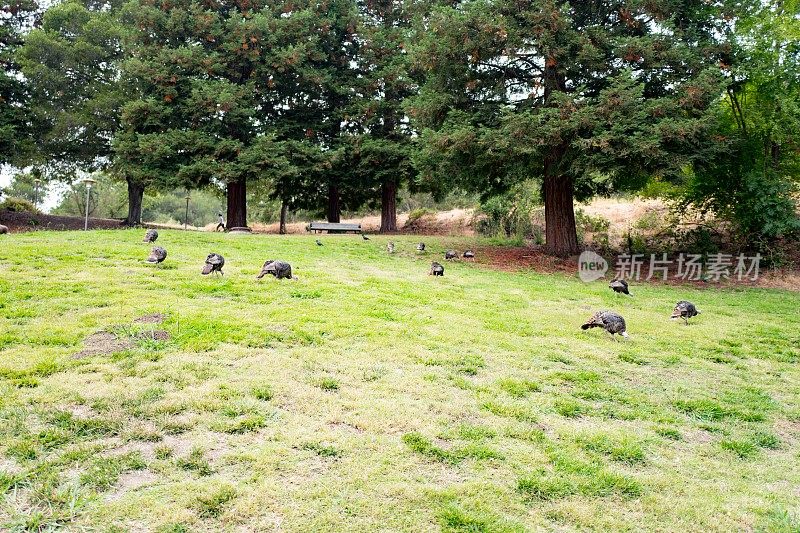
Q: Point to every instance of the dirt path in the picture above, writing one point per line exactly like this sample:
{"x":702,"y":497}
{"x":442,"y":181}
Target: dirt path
{"x":453,"y":222}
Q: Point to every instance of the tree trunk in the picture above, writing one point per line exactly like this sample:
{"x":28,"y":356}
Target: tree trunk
{"x":561,"y":236}
{"x":334,"y":212}
{"x":135,"y":196}
{"x":775,"y":155}
{"x":282,"y":226}
{"x":388,"y":206}
{"x":237,"y":204}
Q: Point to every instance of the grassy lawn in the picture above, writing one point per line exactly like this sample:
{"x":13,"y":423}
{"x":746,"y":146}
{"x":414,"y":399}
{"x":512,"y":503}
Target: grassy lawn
{"x":369,"y":396}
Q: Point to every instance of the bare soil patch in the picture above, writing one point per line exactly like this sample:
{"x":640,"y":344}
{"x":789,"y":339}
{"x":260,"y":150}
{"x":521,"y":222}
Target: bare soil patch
{"x":102,"y":343}
{"x":106,"y":343}
{"x":514,"y":259}
{"x":155,"y":335}
{"x":154,"y":318}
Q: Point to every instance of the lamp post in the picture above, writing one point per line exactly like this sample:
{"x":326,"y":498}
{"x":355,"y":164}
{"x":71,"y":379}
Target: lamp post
{"x":88,"y":182}
{"x":186,"y":217}
{"x":36,"y":183}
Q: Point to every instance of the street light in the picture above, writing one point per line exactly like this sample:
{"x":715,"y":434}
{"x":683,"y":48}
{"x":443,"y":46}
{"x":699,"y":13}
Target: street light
{"x":186,"y":217}
{"x":88,"y":182}
{"x":36,"y":184}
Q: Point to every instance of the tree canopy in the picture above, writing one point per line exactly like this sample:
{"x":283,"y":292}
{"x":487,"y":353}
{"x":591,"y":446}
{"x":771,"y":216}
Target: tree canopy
{"x":333,"y":105}
{"x":586,"y":96}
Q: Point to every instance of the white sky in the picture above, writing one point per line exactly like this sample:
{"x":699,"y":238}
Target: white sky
{"x":48,"y":203}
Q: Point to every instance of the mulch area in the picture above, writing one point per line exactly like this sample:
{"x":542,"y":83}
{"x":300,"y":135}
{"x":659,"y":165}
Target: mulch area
{"x":21,"y":222}
{"x":519,"y":258}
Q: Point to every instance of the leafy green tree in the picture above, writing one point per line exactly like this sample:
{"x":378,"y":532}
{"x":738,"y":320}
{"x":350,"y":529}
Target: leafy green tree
{"x":28,"y":186}
{"x":314,"y":97}
{"x":16,"y":120}
{"x":107,"y":198}
{"x":755,"y":183}
{"x":563,"y":91}
{"x":71,"y":63}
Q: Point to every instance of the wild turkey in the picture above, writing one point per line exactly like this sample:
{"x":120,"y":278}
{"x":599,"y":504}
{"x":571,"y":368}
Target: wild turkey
{"x":364,"y":236}
{"x":319,"y":242}
{"x":157,"y":255}
{"x":620,"y":286}
{"x":421,"y":247}
{"x":609,"y":321}
{"x":279,"y":269}
{"x":390,"y":247}
{"x":436,"y":269}
{"x":214,"y":263}
{"x":684,"y":310}
{"x":469,"y":254}
{"x":150,"y":236}
{"x":450,"y":255}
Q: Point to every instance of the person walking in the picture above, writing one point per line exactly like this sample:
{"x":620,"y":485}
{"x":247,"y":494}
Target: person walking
{"x":220,"y":222}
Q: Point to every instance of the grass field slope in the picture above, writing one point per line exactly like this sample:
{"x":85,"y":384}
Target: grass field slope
{"x":369,"y":396}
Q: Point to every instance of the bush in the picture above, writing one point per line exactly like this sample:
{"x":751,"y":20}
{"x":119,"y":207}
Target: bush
{"x":513,"y":214}
{"x":418,"y":213}
{"x":747,"y":191}
{"x":598,"y":226}
{"x":18,"y":205}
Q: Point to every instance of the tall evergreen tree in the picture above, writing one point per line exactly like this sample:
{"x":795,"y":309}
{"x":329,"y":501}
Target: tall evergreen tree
{"x":198,"y":65}
{"x":16,"y":120}
{"x":384,"y":150}
{"x":565,"y":91}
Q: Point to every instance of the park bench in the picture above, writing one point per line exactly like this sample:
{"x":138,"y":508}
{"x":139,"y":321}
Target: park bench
{"x":333,"y":227}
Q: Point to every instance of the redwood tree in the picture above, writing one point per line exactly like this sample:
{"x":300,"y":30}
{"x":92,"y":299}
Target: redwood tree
{"x":197,"y":66}
{"x":384,"y":149}
{"x":586,"y":96}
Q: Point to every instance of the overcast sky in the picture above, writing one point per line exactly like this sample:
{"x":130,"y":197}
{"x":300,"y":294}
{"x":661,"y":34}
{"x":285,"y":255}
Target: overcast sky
{"x":49,"y":202}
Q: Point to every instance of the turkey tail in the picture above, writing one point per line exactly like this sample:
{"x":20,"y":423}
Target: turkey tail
{"x":595,"y":322}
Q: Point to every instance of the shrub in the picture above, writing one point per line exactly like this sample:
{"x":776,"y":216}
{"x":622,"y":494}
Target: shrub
{"x":418,"y":213}
{"x":512,"y":214}
{"x":17,"y":205}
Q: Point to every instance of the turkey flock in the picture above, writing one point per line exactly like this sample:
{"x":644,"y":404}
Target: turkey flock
{"x":610,"y":321}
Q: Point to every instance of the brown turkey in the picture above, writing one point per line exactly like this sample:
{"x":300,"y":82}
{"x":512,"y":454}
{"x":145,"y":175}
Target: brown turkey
{"x":214,"y":264}
{"x":279,"y":269}
{"x":609,"y":321}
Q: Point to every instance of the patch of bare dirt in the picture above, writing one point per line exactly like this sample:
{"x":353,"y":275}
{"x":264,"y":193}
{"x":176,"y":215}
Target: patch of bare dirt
{"x":130,"y":481}
{"x":154,"y":318}
{"x":515,"y":258}
{"x":345,"y":426}
{"x":155,"y":335}
{"x":105,"y":342}
{"x":102,"y":343}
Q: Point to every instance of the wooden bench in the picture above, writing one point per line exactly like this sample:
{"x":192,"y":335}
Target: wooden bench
{"x":333,"y":227}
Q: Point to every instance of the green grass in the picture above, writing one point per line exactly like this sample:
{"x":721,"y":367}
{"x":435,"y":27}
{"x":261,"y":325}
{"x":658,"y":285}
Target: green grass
{"x":368,"y":395}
